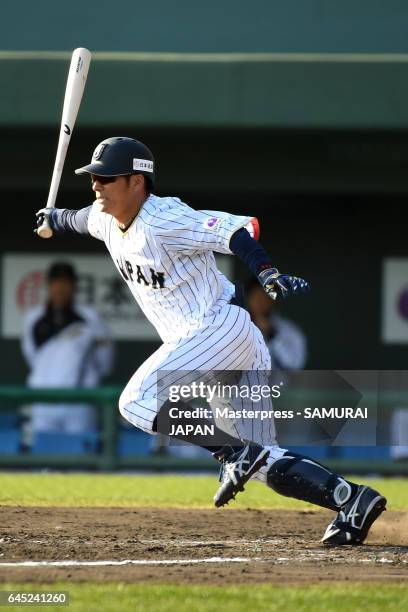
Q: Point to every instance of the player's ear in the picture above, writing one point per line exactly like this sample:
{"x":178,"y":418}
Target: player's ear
{"x":137,"y":180}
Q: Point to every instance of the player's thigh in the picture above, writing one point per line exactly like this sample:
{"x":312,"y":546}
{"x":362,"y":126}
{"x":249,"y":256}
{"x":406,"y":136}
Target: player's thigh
{"x":149,"y":387}
{"x":143,"y":383}
{"x":228,"y":341}
{"x":225,"y":343}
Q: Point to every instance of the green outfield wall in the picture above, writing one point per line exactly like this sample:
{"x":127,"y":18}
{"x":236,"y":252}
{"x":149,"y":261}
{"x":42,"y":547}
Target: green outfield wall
{"x":211,"y":26}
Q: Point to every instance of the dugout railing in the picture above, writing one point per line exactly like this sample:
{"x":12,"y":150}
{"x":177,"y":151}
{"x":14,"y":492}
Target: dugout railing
{"x":107,"y":457}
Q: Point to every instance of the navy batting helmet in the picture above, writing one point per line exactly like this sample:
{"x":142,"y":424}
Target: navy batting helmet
{"x":120,"y":156}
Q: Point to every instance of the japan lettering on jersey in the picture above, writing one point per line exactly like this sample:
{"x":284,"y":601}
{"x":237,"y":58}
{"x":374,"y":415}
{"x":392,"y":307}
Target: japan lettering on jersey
{"x":166,"y":257}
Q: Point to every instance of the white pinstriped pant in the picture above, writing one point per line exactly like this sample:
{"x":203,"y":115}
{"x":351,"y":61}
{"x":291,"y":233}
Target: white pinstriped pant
{"x":230,"y":341}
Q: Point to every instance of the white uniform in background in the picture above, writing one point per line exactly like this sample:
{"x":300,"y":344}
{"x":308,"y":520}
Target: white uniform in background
{"x":399,"y":434}
{"x":288,"y":347}
{"x":78,"y":356}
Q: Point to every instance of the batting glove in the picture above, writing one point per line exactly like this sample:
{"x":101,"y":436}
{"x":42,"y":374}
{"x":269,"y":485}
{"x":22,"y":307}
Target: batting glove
{"x":44,"y":223}
{"x":281,"y":285}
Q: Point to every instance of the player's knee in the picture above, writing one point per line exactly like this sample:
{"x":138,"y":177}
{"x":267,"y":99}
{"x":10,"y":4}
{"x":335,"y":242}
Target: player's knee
{"x":127,"y":398}
{"x":138,"y":413}
{"x":121,"y":406}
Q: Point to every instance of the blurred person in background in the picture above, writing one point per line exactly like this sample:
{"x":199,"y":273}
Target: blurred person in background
{"x":393,"y":417}
{"x":399,"y":434}
{"x":286,"y":342}
{"x":65,"y":345}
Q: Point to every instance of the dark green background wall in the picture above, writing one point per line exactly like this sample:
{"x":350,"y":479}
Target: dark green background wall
{"x":365,"y":26}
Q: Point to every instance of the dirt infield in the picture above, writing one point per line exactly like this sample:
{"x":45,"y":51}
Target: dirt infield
{"x":263,"y":546}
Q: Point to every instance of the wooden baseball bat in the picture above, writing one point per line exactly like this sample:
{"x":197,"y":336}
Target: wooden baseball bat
{"x":78,"y":72}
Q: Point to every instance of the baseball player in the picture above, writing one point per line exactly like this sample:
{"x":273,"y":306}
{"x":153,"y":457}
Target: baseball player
{"x":65,"y":344}
{"x":164,"y":250}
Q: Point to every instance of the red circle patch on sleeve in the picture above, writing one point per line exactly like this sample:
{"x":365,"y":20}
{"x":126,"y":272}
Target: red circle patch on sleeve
{"x":256,"y":228}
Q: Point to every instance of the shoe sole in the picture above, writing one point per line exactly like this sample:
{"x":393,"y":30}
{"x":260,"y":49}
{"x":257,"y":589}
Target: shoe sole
{"x":379,"y":506}
{"x":378,"y":509}
{"x":231,"y":493}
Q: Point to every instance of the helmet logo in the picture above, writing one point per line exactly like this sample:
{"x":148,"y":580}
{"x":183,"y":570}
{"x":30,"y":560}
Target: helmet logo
{"x":144,"y":165}
{"x":97,"y":154}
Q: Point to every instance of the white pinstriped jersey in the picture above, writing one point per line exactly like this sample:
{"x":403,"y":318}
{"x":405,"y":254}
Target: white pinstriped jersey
{"x":166,"y":258}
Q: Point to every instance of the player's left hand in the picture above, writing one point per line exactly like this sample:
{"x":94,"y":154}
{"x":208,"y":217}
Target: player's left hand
{"x":278,"y":285}
{"x":43,"y":219}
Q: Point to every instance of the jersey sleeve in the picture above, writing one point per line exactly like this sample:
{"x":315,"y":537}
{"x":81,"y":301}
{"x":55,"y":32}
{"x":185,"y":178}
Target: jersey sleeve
{"x":65,"y":220}
{"x":189,"y":230}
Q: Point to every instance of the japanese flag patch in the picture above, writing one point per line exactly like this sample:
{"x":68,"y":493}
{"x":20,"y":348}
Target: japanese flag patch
{"x":144,"y":165}
{"x":211,"y":222}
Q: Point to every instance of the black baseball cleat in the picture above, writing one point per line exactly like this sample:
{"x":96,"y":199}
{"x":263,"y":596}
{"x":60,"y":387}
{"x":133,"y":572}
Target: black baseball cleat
{"x":237,"y":469}
{"x":355,"y":518}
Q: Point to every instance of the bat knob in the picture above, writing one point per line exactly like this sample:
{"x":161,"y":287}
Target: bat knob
{"x":44,"y":231}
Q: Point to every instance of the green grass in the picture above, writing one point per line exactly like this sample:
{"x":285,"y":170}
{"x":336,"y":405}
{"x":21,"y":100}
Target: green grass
{"x":21,"y":489}
{"x":160,"y":598}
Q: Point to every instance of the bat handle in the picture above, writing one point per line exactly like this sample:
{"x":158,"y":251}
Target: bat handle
{"x":45,"y":231}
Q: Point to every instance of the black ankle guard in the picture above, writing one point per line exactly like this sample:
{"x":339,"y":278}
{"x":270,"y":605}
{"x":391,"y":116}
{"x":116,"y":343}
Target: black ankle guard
{"x":302,"y":478}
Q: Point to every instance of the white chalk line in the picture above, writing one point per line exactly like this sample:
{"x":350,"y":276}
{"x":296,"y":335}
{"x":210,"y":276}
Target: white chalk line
{"x":74,"y":563}
{"x":153,"y":562}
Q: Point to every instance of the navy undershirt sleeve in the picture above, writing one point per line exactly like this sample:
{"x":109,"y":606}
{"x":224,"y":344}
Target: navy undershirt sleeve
{"x":64,"y":220}
{"x":250,"y":251}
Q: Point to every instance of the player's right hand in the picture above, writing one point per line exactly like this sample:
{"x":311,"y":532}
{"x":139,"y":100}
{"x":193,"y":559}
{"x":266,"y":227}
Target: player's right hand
{"x":280,"y":285}
{"x":43,"y":222}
